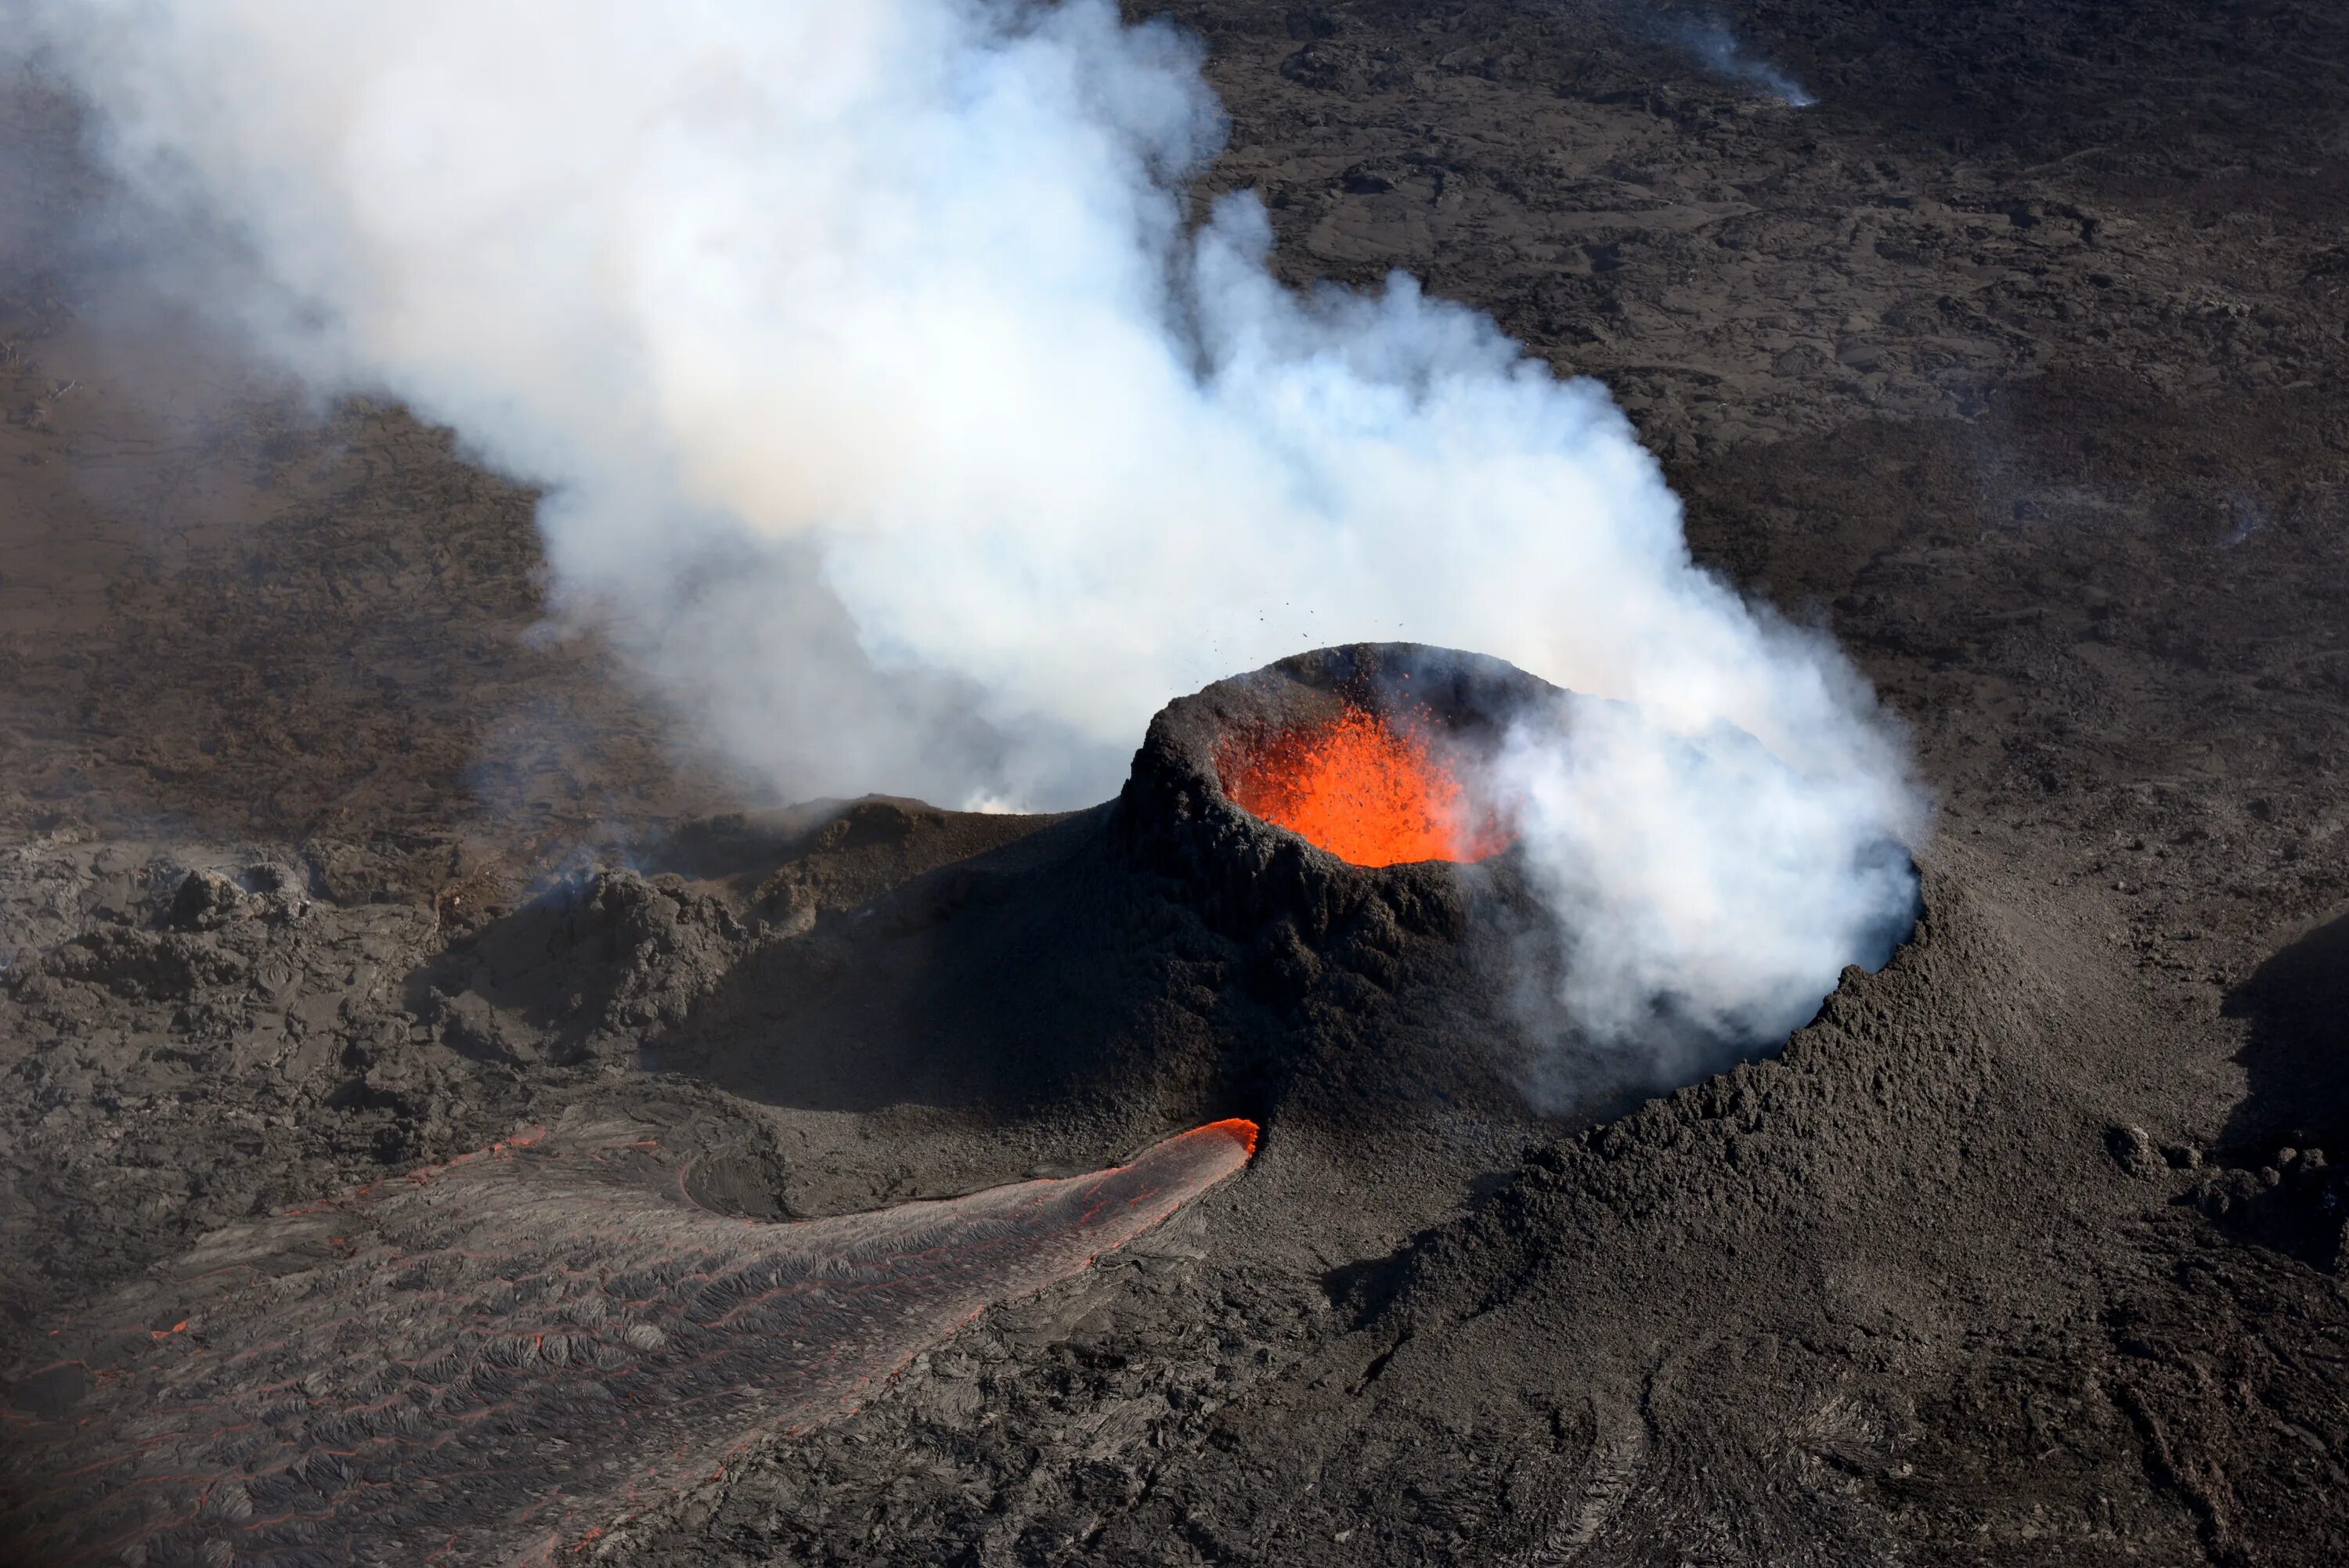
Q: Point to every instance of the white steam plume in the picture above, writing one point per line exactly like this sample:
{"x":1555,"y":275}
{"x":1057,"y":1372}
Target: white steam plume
{"x":889,"y":402}
{"x":1711,"y":41}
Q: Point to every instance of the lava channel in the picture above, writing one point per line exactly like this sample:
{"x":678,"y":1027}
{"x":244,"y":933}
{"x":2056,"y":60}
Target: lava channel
{"x":1366,"y":791}
{"x":499,"y":1360}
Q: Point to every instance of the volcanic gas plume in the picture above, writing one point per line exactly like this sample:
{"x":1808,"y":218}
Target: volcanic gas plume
{"x":496,"y":1360}
{"x":898,"y":411}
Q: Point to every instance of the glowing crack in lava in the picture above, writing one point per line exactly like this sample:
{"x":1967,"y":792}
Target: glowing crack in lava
{"x":497,"y":1360}
{"x":1361,"y":788}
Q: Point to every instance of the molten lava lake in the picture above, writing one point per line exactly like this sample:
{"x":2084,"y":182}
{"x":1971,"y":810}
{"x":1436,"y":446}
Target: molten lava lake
{"x":1369,"y":791}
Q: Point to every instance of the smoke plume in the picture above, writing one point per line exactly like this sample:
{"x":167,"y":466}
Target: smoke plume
{"x":1718,"y":49}
{"x":898,"y":414}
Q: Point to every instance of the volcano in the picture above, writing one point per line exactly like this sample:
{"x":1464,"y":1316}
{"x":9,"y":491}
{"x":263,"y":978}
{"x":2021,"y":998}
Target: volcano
{"x":2013,"y":364}
{"x":1295,"y":914}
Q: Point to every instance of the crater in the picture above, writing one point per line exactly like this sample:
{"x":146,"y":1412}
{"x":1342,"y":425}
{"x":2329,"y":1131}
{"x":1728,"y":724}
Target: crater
{"x":1327,"y":780}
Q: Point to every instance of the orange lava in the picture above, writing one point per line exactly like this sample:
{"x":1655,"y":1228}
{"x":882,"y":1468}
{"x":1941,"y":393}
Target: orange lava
{"x":1238,"y":1129}
{"x":1364,"y":790}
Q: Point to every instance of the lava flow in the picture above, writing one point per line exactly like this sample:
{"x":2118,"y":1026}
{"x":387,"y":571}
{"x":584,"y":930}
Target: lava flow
{"x":497,"y":1360}
{"x":1362,"y":789}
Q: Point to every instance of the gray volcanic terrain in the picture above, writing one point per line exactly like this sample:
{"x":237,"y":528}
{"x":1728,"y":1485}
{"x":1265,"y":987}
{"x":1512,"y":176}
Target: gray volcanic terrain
{"x":2013,"y":359}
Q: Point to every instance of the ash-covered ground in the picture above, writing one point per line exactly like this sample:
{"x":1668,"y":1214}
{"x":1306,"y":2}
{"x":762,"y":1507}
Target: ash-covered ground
{"x":2015,"y":361}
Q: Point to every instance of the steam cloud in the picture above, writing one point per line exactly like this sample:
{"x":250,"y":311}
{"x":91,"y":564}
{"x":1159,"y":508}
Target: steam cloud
{"x":896,"y":413}
{"x":1711,"y":42}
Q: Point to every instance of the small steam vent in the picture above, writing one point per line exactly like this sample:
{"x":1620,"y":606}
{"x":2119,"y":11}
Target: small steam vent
{"x":1303,"y":788}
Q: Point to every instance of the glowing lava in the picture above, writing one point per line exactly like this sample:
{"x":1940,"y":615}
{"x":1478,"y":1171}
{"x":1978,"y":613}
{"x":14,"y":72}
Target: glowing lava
{"x":1364,"y":790}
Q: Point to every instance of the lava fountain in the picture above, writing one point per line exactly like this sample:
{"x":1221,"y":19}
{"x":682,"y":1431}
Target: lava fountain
{"x":1372,"y":790}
